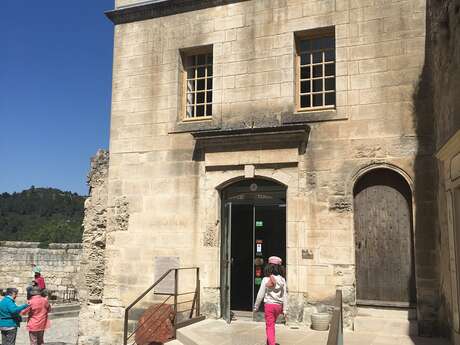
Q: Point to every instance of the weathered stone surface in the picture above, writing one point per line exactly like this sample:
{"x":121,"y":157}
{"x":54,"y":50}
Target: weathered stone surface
{"x":94,"y":223}
{"x":60,"y":264}
{"x":441,"y":107}
{"x":340,"y":205}
{"x":118,"y":215}
{"x":91,"y":279}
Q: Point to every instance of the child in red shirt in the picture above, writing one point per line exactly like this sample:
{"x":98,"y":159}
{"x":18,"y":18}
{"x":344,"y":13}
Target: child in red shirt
{"x":39,"y":280}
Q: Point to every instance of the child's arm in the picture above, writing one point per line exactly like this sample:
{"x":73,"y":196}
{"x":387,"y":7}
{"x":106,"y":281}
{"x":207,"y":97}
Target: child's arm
{"x":260,"y":295}
{"x":285,"y":299}
{"x":25,"y":311}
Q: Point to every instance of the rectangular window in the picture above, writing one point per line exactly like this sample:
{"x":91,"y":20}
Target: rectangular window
{"x":197,"y":77}
{"x":315,"y":70}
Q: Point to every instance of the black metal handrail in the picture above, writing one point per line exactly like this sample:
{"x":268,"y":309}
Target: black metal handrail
{"x":335,"y":336}
{"x":195,"y":303}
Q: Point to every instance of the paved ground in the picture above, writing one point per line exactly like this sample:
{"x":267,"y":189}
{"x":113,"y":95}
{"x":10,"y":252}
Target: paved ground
{"x":62,"y":332}
{"x":212,"y":332}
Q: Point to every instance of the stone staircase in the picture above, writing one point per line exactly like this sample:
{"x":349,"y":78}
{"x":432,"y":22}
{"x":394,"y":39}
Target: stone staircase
{"x":386,"y":321}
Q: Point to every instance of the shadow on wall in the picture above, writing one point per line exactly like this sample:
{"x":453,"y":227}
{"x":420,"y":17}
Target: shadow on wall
{"x":426,"y":230}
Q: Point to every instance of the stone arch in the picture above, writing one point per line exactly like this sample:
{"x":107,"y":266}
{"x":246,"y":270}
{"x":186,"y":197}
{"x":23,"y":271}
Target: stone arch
{"x":227,"y":183}
{"x":384,"y":220}
{"x":367,"y":168}
{"x":360,"y":172}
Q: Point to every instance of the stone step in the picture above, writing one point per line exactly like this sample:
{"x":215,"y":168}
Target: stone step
{"x":174,"y":342}
{"x":65,"y":307}
{"x":64,"y":314}
{"x":385,"y":325}
{"x":393,"y":313}
{"x":186,"y":339}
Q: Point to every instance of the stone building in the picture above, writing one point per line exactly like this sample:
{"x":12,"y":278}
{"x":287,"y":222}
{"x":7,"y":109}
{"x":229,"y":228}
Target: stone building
{"x":440,"y":78}
{"x":246,"y":128}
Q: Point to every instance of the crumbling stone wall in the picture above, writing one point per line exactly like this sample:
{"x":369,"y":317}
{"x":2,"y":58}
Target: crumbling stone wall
{"x":60,"y":264}
{"x":93,"y":256}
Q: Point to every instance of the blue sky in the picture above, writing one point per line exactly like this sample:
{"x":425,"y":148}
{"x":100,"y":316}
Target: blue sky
{"x":55,"y":90}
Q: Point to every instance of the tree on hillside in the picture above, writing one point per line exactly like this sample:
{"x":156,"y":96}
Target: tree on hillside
{"x":44,"y":215}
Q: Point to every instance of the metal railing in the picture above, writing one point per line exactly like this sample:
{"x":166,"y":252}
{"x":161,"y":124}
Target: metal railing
{"x":335,"y":336}
{"x":176,"y":324}
{"x":69,"y":295}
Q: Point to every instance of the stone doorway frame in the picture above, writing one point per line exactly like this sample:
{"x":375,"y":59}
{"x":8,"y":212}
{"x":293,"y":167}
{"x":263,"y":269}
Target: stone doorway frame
{"x":212,"y":182}
{"x":363,"y":170}
{"x":404,"y":177}
{"x":225,"y":271}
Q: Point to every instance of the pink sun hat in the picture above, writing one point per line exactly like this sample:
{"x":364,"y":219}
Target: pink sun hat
{"x":275,"y":260}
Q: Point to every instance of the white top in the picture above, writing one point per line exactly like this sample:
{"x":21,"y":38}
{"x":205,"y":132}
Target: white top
{"x":272,"y":295}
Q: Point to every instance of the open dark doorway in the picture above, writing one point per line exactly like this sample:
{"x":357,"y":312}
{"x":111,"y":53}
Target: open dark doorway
{"x":254,"y":228}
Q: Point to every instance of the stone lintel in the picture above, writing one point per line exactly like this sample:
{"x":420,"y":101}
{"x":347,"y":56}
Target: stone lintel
{"x":261,"y":159}
{"x":161,"y":8}
{"x":253,"y":138}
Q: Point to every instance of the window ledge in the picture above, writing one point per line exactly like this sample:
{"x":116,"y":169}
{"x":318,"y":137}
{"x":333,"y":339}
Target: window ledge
{"x":197,"y":119}
{"x":312,"y":116}
{"x":196,"y":125}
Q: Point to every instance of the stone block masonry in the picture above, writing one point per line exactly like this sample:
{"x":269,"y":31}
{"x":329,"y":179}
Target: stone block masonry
{"x":60,"y":264}
{"x":163,"y":190}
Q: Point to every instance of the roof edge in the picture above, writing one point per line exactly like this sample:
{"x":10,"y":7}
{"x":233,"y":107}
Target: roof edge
{"x":162,"y":8}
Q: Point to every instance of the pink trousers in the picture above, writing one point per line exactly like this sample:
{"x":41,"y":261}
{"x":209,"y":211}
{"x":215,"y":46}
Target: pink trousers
{"x":272,"y":311}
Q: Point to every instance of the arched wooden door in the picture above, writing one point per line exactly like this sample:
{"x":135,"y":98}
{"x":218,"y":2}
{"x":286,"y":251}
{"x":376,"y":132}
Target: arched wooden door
{"x":384,"y":240}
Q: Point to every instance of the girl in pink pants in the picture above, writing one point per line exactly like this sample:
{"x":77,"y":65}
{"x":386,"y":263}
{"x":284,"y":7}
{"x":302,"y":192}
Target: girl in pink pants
{"x":273,"y":292}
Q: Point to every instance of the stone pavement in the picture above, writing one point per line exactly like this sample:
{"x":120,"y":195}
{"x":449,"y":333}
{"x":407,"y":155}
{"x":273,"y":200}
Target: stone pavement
{"x":212,"y":332}
{"x":62,"y":332}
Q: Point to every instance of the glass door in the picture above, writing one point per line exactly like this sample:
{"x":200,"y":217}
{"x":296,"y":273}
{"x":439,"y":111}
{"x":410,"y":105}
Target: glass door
{"x":226,"y":262}
{"x":269,"y":240}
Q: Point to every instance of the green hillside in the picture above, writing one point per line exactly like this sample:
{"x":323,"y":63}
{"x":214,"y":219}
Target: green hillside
{"x":43,"y":215}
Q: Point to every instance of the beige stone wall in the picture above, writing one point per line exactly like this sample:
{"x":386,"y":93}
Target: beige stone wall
{"x":60,"y":264}
{"x":449,"y":223}
{"x":443,"y":63}
{"x":172,"y":197}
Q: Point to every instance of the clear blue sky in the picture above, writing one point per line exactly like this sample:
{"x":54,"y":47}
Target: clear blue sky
{"x":55,"y":90}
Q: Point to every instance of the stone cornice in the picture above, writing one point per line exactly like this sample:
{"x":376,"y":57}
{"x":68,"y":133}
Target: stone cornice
{"x":161,"y":8}
{"x":268,"y":137}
